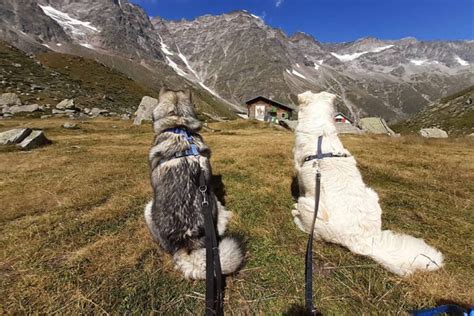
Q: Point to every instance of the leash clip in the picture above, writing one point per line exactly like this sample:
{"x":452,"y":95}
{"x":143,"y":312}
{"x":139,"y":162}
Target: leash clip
{"x":203,"y":189}
{"x":316,"y":165}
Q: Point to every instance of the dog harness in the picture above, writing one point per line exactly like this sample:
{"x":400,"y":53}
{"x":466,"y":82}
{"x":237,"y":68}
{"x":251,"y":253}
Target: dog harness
{"x":192,"y":150}
{"x":319,"y":154}
{"x":214,"y":294}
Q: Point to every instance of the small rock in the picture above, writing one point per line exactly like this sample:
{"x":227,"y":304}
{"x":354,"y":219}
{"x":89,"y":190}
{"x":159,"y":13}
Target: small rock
{"x":36,"y":87}
{"x":24,"y":108}
{"x":14,"y":136}
{"x":68,"y":125}
{"x":34,"y":140}
{"x":56,"y":111}
{"x":45,"y":117}
{"x":65,"y":104}
{"x":433,"y":133}
{"x":96,"y":112}
{"x":9,"y":99}
{"x":125,"y":116}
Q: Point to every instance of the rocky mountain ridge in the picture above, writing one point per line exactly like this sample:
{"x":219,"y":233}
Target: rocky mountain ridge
{"x":232,"y":57}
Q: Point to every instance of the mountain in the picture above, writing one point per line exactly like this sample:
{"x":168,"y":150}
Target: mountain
{"x":229,"y":58}
{"x":239,"y":56}
{"x":454,"y":114}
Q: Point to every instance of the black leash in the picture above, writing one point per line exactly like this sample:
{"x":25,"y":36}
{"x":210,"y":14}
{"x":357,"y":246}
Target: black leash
{"x":309,"y":247}
{"x":214,"y":294}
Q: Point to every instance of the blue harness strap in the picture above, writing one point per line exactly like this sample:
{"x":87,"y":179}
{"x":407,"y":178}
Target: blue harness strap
{"x":191,"y":151}
{"x":449,"y":309}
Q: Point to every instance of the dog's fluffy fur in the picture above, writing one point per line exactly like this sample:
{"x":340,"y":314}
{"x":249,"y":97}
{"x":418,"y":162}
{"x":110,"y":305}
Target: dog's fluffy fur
{"x":175,"y":216}
{"x":349,"y":213}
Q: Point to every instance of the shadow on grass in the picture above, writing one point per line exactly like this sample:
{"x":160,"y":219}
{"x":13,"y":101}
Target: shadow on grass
{"x":218,"y":187}
{"x":298,"y":309}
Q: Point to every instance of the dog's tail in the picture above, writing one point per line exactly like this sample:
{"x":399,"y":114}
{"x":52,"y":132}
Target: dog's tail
{"x":193,"y":264}
{"x":404,"y":254}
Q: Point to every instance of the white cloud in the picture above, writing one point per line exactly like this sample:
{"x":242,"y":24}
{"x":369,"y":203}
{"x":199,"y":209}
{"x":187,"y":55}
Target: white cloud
{"x":278,"y":3}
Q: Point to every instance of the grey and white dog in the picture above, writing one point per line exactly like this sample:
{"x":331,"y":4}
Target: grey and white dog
{"x":175,"y":217}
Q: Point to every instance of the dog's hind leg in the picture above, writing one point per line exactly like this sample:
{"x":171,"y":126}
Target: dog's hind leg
{"x":223,"y":217}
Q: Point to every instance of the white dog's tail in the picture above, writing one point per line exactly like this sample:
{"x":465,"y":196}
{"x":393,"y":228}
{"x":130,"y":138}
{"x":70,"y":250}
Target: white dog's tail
{"x":404,"y":254}
{"x":193,"y":264}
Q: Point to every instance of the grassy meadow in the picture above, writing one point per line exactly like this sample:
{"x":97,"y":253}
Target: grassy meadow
{"x":73,"y":238}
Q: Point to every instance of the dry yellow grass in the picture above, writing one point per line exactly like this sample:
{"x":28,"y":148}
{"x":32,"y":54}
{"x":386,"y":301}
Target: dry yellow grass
{"x":74,"y":239}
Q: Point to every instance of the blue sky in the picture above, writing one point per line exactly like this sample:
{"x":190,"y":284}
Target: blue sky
{"x":339,"y":20}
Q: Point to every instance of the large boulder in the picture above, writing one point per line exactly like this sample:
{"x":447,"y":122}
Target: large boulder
{"x":66,"y":104}
{"x":9,"y":99}
{"x":433,"y":133}
{"x":34,"y":140}
{"x":145,"y":110}
{"x":14,"y":136}
{"x":375,"y":125}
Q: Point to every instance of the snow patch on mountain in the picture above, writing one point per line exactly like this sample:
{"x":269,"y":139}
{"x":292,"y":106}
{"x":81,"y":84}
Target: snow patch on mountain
{"x":176,"y":68}
{"x":166,"y":49}
{"x":297,"y":74}
{"x":350,"y":57}
{"x":461,"y":61}
{"x":379,"y":49}
{"x":185,"y":61}
{"x":87,"y":45}
{"x":71,"y":25}
{"x":318,"y":63}
{"x":420,"y":62}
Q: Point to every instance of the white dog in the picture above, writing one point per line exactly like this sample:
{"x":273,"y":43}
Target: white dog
{"x":349,"y":212}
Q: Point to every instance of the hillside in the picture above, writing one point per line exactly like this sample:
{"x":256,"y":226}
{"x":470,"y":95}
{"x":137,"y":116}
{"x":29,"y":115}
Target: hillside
{"x":454,"y":114}
{"x":49,"y":77}
{"x":232,"y":57}
{"x":74,"y":240}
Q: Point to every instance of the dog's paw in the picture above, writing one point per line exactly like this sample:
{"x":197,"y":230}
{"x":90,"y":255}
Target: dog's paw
{"x":295,"y":211}
{"x":299,"y":224}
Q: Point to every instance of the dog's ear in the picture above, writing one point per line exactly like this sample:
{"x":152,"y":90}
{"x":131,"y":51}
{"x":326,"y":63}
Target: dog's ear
{"x":163,"y":90}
